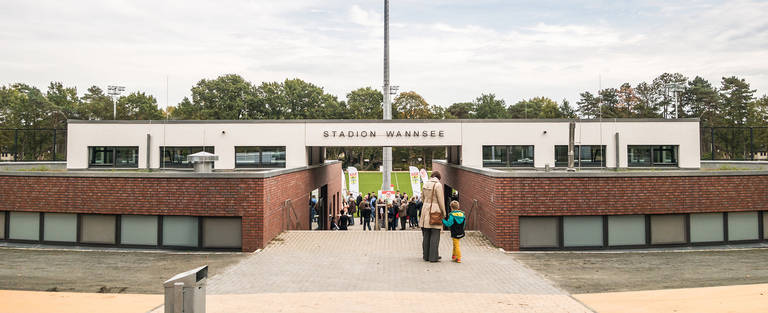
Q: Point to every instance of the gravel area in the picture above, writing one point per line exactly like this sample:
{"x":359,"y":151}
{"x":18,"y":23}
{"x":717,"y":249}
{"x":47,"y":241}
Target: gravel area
{"x":584,"y":272}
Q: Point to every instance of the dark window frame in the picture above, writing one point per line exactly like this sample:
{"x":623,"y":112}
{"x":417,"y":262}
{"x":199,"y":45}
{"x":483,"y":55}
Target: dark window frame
{"x":259,"y":159}
{"x":113,"y":150}
{"x":578,"y":161}
{"x":507,"y":153}
{"x":181,"y":163}
{"x":652,"y":155}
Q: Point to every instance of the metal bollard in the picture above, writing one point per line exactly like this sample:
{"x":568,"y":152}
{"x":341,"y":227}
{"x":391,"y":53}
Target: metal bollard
{"x":185,"y":292}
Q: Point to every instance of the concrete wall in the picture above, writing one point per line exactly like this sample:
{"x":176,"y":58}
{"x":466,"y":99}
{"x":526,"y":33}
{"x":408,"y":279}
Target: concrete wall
{"x":471,"y":135}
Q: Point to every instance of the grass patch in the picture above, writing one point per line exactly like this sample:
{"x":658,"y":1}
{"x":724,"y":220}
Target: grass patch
{"x":371,"y":182}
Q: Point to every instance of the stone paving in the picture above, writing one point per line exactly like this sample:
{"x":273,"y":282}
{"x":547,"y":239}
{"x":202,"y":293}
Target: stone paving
{"x":358,"y":263}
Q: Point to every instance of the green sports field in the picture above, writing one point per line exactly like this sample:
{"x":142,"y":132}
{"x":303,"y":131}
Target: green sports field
{"x":371,"y":182}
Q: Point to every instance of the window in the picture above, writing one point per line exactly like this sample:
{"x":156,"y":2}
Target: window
{"x":2,"y":225}
{"x":122,"y":157}
{"x":668,"y":229}
{"x":742,"y":226}
{"x":97,"y":228}
{"x":626,"y":230}
{"x":260,"y":157}
{"x":649,"y":156}
{"x":706,"y":227}
{"x":24,"y":226}
{"x":583,"y":231}
{"x":507,"y":156}
{"x":180,"y":231}
{"x":138,"y":230}
{"x":583,"y":156}
{"x":177,"y":156}
{"x":60,"y":227}
{"x":222,"y":232}
{"x":539,"y":232}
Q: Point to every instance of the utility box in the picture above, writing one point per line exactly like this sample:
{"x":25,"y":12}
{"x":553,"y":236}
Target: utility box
{"x":202,"y":161}
{"x":185,"y":292}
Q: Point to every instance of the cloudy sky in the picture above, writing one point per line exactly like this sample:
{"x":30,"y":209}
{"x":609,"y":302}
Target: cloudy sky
{"x":446,"y":50}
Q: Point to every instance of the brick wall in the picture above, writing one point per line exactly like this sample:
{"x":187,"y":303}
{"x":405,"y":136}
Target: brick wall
{"x":512,"y":197}
{"x":259,"y":201}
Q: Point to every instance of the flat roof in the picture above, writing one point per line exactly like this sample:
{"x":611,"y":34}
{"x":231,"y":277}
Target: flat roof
{"x":416,"y":121}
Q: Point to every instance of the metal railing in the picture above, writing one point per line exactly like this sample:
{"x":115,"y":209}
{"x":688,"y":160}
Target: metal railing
{"x":734,"y":142}
{"x":38,"y":144}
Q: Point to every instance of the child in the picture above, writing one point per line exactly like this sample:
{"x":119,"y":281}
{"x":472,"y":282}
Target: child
{"x":455,"y":221}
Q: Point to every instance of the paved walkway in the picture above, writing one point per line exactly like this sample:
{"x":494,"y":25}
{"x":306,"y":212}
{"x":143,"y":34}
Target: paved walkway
{"x":337,"y":270}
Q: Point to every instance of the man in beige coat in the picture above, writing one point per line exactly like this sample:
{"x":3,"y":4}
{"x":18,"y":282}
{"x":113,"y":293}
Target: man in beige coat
{"x":432,"y":196}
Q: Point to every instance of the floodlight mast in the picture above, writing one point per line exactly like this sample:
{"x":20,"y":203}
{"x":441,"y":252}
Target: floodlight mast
{"x":387,"y":110}
{"x":113,"y":91}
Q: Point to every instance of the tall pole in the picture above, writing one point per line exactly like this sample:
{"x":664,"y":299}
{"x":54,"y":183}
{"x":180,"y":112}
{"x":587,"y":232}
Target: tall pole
{"x":386,"y":151}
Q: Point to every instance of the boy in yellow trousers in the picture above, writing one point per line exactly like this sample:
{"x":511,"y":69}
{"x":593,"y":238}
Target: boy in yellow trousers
{"x":455,"y":221}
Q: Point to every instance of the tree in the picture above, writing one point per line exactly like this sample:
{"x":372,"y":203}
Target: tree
{"x":138,"y":106}
{"x":702,"y":100}
{"x":735,"y":97}
{"x":647,"y":99}
{"x":566,"y":110}
{"x":97,"y":105}
{"x":410,"y":105}
{"x":64,"y":103}
{"x":365,"y":103}
{"x":588,"y":105}
{"x":488,"y":107}
{"x":460,"y":110}
{"x":227,"y":97}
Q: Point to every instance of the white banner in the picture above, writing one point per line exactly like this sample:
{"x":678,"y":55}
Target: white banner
{"x":354,"y":181}
{"x":424,"y":176}
{"x":343,"y":184}
{"x":415,"y":181}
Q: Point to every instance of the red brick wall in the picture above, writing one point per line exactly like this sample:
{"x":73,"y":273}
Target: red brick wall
{"x":512,"y":197}
{"x":259,"y":201}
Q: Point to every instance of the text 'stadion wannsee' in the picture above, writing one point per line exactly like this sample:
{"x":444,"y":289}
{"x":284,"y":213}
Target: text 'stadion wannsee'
{"x":388,"y":133}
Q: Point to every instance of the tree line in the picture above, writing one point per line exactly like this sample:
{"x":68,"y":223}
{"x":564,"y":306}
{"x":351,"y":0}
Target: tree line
{"x":231,"y":97}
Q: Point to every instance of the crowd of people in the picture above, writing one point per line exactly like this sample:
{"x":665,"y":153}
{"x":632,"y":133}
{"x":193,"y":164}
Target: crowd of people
{"x":402,"y":210}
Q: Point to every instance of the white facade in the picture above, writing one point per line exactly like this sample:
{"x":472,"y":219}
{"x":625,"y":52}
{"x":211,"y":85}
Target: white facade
{"x":470,"y":135}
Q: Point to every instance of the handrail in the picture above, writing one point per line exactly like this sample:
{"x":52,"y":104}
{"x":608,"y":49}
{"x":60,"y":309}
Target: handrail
{"x":291,"y":219}
{"x":470,"y":212}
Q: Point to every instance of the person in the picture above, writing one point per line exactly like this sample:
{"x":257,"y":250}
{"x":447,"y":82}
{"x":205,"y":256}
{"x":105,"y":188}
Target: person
{"x":402,"y":212}
{"x":357,"y":203}
{"x":333,"y":223}
{"x":433,"y":200}
{"x":351,"y":209}
{"x":455,"y":222}
{"x":365,"y":212}
{"x":413,"y":213}
{"x":343,"y":220}
{"x":391,"y":216}
{"x":312,"y":211}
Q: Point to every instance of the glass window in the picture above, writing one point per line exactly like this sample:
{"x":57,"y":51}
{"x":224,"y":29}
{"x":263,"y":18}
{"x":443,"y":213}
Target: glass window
{"x":581,"y":231}
{"x":765,"y":225}
{"x":508,"y":156}
{"x":639,"y":155}
{"x":260,"y":157}
{"x":60,"y":227}
{"x":97,"y":228}
{"x":24,"y":226}
{"x":706,"y":227}
{"x":177,"y":156}
{"x":180,"y":231}
{"x":221,"y":232}
{"x":127,"y":157}
{"x":138,"y":230}
{"x":2,"y":225}
{"x":742,"y":226}
{"x":626,"y":230}
{"x":667,"y":229}
{"x":495,"y":156}
{"x":648,"y":156}
{"x":583,"y":156}
{"x":538,"y":232}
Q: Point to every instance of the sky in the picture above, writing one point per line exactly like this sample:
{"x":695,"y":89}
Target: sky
{"x":448,"y":51}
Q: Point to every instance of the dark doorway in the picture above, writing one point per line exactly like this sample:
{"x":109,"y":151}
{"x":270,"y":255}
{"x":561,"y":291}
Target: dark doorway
{"x":322,"y":208}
